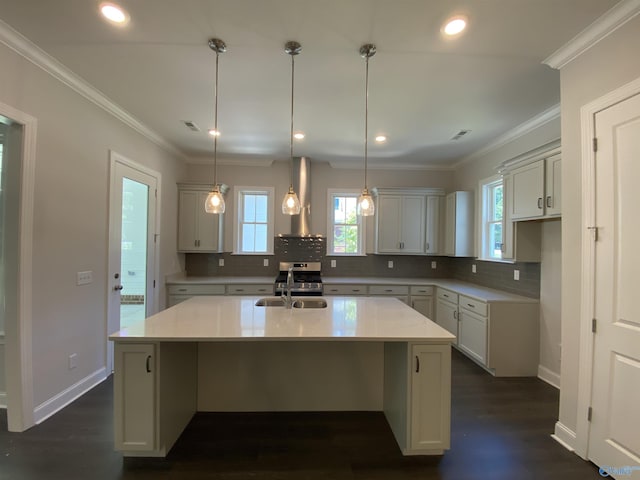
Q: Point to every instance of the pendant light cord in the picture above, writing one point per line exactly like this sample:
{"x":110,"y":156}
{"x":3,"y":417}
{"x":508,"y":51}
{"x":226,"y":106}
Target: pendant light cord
{"x":291,"y":136}
{"x":215,"y":127}
{"x":366,"y":117}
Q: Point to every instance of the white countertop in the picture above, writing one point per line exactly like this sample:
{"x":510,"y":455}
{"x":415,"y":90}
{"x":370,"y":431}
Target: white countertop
{"x":234,"y":318}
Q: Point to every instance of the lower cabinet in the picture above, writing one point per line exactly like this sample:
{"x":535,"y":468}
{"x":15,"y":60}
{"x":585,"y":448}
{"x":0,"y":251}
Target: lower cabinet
{"x":177,"y":293}
{"x":472,"y":335}
{"x":344,"y":289}
{"x":154,"y":391}
{"x":421,"y":299}
{"x":250,"y":289}
{"x":417,"y":396}
{"x":447,"y":311}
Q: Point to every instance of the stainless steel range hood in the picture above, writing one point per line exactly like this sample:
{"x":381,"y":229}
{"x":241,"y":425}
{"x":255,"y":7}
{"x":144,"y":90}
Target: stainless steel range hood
{"x":300,"y":224}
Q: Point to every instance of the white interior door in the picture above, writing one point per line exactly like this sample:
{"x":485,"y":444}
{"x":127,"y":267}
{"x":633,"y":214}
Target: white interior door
{"x":132,"y":245}
{"x":614,"y":438}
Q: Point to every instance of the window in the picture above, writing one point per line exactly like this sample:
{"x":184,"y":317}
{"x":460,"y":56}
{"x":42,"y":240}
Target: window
{"x":253,"y":230}
{"x":491,"y":234}
{"x":345,"y":229}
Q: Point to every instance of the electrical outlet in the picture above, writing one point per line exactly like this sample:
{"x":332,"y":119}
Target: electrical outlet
{"x":84,"y":278}
{"x":473,"y":268}
{"x":516,"y":274}
{"x":333,"y":264}
{"x":434,"y":265}
{"x":73,"y":361}
{"x":390,"y":264}
{"x":221,"y":262}
{"x":265,"y":262}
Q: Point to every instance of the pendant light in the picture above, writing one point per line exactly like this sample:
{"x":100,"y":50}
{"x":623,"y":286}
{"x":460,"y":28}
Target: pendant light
{"x":291,"y":202}
{"x":365,"y":202}
{"x":215,"y":200}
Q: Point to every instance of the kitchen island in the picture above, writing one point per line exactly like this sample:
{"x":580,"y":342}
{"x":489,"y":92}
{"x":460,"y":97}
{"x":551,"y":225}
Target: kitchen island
{"x":222,"y":353}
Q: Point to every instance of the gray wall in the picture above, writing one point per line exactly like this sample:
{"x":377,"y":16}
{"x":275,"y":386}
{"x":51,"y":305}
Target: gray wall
{"x":74,"y":137}
{"x":467,"y":177}
{"x":608,"y":65}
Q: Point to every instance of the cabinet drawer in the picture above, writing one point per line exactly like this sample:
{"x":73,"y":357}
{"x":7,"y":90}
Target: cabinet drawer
{"x":473,"y":305}
{"x":250,"y":289}
{"x":423,"y":290}
{"x":190,"y":289}
{"x":447,"y":295}
{"x":345,"y":289}
{"x":388,"y":290}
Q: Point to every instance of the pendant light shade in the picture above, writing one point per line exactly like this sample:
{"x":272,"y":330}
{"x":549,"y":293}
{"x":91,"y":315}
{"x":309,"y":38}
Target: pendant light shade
{"x":366,"y":206}
{"x":291,"y":202}
{"x":215,"y":200}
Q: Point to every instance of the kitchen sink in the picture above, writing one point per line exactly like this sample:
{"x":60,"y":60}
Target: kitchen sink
{"x":270,"y":302}
{"x":310,"y":303}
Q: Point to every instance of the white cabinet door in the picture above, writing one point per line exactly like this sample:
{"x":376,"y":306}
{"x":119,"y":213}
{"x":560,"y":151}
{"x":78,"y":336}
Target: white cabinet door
{"x":430,"y":414}
{"x":447,"y":315}
{"x":528,"y":191}
{"x":432,"y":225}
{"x":472,"y":337}
{"x":413,"y":221}
{"x":553,"y":198}
{"x":459,"y":224}
{"x":424,"y":305}
{"x":135,"y":397}
{"x":389,"y":222}
{"x":198,"y":231}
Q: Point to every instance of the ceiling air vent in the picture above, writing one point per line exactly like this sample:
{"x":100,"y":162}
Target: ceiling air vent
{"x":460,"y":134}
{"x":191,"y":125}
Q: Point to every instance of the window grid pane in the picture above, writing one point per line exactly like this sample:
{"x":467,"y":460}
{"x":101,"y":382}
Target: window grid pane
{"x":254,"y":224}
{"x":346,"y":225}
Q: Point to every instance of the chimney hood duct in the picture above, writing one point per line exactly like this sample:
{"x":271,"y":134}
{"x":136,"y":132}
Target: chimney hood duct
{"x":301,"y":223}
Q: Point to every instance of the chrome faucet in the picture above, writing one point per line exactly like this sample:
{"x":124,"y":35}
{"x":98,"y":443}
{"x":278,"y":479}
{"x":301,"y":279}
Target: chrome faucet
{"x":287,"y":301}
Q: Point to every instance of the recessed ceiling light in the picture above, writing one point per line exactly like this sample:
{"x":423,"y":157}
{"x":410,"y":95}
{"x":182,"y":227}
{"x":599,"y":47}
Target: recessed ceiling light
{"x":298,"y":135}
{"x":214,"y":133}
{"x":455,"y":25}
{"x":114,"y":13}
{"x":381,"y":139}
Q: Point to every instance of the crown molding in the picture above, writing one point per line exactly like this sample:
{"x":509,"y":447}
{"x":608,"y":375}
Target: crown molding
{"x":608,"y":23}
{"x":529,"y":126}
{"x":389,"y":166}
{"x":233,"y":162}
{"x":31,"y":52}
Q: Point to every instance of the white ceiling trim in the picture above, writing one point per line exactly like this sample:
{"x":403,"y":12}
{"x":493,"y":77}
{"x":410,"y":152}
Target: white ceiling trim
{"x":620,"y":14}
{"x":30,"y":51}
{"x":529,"y":126}
{"x":240,"y":162}
{"x":389,"y":166}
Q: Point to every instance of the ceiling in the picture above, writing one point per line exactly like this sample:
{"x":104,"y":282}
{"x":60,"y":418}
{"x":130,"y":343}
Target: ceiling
{"x":423,"y":88}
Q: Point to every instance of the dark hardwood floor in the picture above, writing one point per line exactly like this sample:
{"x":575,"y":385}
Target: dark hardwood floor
{"x":500,"y":430}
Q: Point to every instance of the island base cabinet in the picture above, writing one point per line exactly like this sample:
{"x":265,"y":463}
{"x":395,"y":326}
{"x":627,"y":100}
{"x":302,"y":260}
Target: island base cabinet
{"x":155,"y":387}
{"x":417,"y":396}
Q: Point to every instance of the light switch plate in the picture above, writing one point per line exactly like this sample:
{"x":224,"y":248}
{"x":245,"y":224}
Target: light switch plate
{"x":390,"y":264}
{"x":473,"y":268}
{"x":516,"y":274}
{"x":73,"y":361}
{"x":221,"y":262}
{"x":84,"y":278}
{"x":333,"y":264}
{"x":265,"y":262}
{"x":434,"y":265}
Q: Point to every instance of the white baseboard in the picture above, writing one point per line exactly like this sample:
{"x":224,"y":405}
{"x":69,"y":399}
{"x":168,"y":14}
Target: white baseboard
{"x":3,"y":400}
{"x":546,"y":375}
{"x":64,"y":398}
{"x":564,"y":436}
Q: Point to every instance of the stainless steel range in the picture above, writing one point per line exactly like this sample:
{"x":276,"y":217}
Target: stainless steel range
{"x":306,"y":278}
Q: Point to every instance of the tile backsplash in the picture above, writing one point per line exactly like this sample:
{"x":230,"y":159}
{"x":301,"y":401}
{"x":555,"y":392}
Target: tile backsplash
{"x":489,"y":274}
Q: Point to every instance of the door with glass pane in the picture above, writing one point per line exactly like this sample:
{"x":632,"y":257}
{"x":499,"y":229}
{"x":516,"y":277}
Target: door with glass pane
{"x":132,"y":245}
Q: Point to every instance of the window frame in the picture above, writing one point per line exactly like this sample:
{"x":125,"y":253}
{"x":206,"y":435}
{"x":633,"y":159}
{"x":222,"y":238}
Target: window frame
{"x":486,"y":219}
{"x":238,"y":194}
{"x":332,"y":193}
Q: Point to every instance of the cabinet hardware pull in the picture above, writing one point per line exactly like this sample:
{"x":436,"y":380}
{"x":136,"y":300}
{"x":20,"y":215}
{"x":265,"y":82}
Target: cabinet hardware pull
{"x":149,"y":364}
{"x":549,"y":201}
{"x":355,"y":290}
{"x":388,"y":290}
{"x":239,"y":289}
{"x":417,"y":364}
{"x":445,"y":295}
{"x":472,"y":306}
{"x":427,"y":245}
{"x":182,"y":289}
{"x":455,"y":314}
{"x":540,"y":203}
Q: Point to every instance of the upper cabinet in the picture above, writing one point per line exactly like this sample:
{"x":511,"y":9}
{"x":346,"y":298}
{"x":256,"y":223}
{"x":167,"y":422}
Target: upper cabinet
{"x":407,"y":220}
{"x":535,"y":184}
{"x":198,"y":231}
{"x":458,"y":233}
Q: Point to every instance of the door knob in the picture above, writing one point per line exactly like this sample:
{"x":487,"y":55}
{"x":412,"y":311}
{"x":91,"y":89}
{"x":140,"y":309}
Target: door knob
{"x":117,"y":288}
